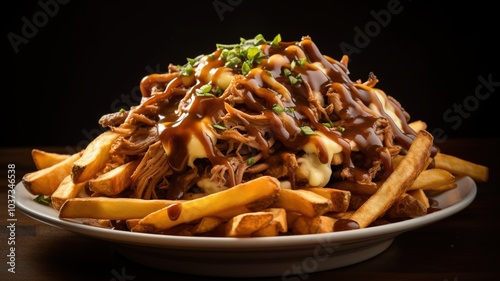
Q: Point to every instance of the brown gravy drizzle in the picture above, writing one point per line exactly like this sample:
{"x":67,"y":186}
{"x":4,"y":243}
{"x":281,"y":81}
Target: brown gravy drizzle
{"x":355,"y":117}
{"x":345,"y":224}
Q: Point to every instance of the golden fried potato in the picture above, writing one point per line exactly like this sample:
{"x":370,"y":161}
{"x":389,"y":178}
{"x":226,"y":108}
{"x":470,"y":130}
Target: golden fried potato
{"x":115,"y":181}
{"x":303,"y":201}
{"x":245,"y":224}
{"x":66,"y":190}
{"x":243,"y":194}
{"x":462,"y":167}
{"x":44,"y":159}
{"x":94,"y":157}
{"x":46,"y":180}
{"x":403,"y":176}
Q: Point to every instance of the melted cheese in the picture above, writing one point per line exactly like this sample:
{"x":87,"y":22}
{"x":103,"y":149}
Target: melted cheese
{"x":387,"y":107}
{"x":195,"y":146}
{"x":310,"y":167}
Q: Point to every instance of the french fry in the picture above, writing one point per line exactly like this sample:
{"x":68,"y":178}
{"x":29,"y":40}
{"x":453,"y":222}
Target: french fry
{"x":278,"y":225}
{"x":302,"y":201}
{"x":66,"y":190}
{"x":94,"y":157}
{"x":44,"y":159}
{"x":341,"y":215}
{"x":269,"y":230}
{"x":313,"y":225}
{"x":432,"y":178}
{"x":229,"y":213}
{"x":420,"y":195}
{"x":438,"y":189}
{"x":46,"y":181}
{"x":245,"y":224}
{"x":396,"y":159}
{"x":291,"y":217}
{"x":428,"y":180}
{"x":340,"y":198}
{"x":418,"y":125}
{"x":279,"y":217}
{"x":131,"y":223}
{"x":406,"y":206}
{"x":461,"y":167}
{"x":245,"y":193}
{"x":403,"y":176}
{"x":206,"y":224}
{"x":111,"y":208}
{"x":114,"y":181}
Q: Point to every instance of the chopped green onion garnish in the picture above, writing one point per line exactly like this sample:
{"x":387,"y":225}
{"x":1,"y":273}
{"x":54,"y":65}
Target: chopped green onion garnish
{"x":293,"y":80}
{"x":307,"y":130}
{"x":218,"y":126}
{"x":251,"y":161}
{"x":259,"y":39}
{"x":253,"y":53}
{"x":226,"y":46}
{"x":246,"y":67}
{"x":44,"y":200}
{"x":186,"y":70}
{"x":204,"y":90}
{"x":277,"y":109}
{"x":276,"y":40}
{"x":246,"y":53}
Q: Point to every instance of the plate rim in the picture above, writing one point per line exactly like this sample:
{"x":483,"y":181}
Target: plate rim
{"x":48,"y":215}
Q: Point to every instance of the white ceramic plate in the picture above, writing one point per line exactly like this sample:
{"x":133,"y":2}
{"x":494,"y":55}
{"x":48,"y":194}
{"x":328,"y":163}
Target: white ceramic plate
{"x":259,"y":256}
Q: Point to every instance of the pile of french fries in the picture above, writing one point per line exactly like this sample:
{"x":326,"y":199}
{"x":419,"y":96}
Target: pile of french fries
{"x":256,"y":208}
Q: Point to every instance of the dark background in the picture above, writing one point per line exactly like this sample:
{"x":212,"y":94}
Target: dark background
{"x":86,"y":58}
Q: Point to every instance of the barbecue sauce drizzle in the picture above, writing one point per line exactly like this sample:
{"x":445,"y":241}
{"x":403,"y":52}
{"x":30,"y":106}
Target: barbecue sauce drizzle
{"x":192,"y":115}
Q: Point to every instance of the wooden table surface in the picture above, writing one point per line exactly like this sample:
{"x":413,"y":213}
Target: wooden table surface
{"x":458,"y":248}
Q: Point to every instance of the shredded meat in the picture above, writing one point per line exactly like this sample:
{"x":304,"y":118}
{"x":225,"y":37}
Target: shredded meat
{"x":151,"y":172}
{"x":113,"y":119}
{"x":136,"y":143}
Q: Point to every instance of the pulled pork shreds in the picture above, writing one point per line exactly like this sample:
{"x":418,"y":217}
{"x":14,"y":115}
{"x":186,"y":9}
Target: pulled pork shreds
{"x":258,"y":108}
